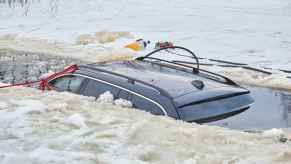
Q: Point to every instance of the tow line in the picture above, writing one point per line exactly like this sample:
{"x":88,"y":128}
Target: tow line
{"x":230,"y":64}
{"x":43,"y":83}
{"x":221,"y":63}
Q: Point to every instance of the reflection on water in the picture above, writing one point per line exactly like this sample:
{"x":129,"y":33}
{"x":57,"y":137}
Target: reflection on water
{"x":271,"y":109}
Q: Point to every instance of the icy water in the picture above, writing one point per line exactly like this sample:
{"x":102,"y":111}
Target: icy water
{"x":272,"y":108}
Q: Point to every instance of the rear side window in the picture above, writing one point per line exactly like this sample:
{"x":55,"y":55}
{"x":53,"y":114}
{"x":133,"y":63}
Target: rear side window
{"x":95,"y":88}
{"x":147,"y":105}
{"x":69,"y":83}
{"x":122,"y":94}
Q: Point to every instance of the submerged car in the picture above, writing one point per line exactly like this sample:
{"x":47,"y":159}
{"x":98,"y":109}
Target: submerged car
{"x":161,"y":86}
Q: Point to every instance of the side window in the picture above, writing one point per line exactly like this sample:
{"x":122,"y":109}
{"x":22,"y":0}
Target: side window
{"x":95,"y":88}
{"x":124,"y":95}
{"x":68,"y":83}
{"x":146,"y":105}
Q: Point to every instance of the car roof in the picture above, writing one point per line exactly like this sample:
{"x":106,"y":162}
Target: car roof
{"x":174,"y":82}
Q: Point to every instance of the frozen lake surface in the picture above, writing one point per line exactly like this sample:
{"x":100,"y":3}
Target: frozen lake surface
{"x":240,"y":31}
{"x":57,"y":128}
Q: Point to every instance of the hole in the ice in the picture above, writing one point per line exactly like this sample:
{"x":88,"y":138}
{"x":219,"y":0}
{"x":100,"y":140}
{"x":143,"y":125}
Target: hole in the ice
{"x":272,"y":108}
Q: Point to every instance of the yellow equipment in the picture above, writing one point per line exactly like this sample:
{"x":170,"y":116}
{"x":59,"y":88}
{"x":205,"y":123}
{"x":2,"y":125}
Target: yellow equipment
{"x":134,"y":46}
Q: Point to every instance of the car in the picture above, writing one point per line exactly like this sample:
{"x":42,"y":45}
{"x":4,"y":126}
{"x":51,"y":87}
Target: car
{"x":160,"y":85}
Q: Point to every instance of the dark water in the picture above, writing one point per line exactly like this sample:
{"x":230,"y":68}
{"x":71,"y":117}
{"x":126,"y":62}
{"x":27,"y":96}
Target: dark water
{"x":271,"y":109}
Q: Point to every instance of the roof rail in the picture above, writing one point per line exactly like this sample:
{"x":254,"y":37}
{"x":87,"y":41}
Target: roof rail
{"x":129,"y":79}
{"x":167,"y":49}
{"x":185,"y":64}
{"x":201,"y":72}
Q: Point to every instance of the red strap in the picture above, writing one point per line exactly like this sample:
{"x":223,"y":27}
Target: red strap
{"x":68,"y":69}
{"x":43,"y":83}
{"x":19,"y":84}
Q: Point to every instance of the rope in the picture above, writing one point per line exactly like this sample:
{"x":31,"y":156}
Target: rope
{"x":20,"y":84}
{"x":43,"y":83}
{"x":229,"y":64}
{"x":242,"y":65}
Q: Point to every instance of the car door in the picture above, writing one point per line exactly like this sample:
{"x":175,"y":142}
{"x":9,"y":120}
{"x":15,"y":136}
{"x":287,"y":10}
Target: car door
{"x":69,"y":83}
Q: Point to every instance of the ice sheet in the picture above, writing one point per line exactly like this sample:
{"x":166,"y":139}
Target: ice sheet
{"x":53,"y":127}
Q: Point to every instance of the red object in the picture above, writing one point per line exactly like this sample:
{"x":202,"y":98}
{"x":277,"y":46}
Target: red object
{"x":164,"y":44}
{"x":20,"y":84}
{"x":43,"y":83}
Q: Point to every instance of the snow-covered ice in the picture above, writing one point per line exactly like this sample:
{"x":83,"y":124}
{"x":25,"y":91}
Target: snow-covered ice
{"x":243,"y":31}
{"x":86,"y":53}
{"x":243,"y":76}
{"x":52,"y":127}
{"x":257,"y":33}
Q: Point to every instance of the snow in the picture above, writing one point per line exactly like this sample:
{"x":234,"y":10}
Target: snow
{"x":105,"y":97}
{"x":244,"y":31}
{"x":273,"y":133}
{"x":87,"y":53}
{"x":77,"y":120}
{"x":50,"y":127}
{"x":243,"y":76}
{"x":67,"y":128}
{"x":3,"y":105}
{"x":123,"y":103}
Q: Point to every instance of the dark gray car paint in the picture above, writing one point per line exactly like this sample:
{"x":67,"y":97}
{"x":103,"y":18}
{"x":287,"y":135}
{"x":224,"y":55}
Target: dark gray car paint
{"x":152,"y":94}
